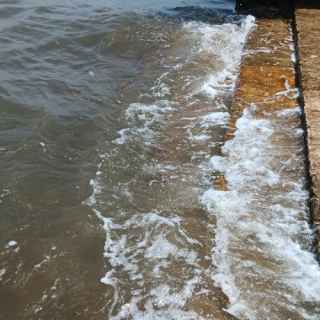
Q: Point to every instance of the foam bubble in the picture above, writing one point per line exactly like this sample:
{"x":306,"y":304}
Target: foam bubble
{"x":3,"y":271}
{"x":215,"y":119}
{"x":144,"y":119}
{"x":11,"y":244}
{"x":226,"y":43}
{"x":289,"y":112}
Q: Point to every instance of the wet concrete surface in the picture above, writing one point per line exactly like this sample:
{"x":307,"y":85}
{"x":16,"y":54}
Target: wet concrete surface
{"x":267,"y":74}
{"x":308,"y":28}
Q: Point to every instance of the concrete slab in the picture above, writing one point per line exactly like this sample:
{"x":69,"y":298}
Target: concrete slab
{"x":267,"y":70}
{"x":308,"y":27}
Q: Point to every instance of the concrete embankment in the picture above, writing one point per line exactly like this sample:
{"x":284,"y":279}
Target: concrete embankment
{"x":266,"y":69}
{"x":286,"y":49}
{"x":267,"y":74}
{"x":308,"y":34}
{"x":262,"y":198}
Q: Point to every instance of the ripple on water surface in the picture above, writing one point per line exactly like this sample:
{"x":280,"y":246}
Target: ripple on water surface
{"x":150,"y":94}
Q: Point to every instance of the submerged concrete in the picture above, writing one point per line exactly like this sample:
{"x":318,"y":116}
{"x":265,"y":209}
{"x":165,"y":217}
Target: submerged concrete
{"x":267,"y":82}
{"x":263,"y":74}
{"x":267,"y":74}
{"x":308,"y":28}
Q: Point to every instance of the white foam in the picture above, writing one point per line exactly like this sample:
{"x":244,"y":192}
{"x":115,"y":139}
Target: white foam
{"x":148,"y":113}
{"x":289,"y":92}
{"x":226,"y":43}
{"x":289,"y":112}
{"x":135,"y":243}
{"x":247,"y":163}
{"x":199,"y":137}
{"x":259,"y":50}
{"x":141,"y":247}
{"x":293,"y":54}
{"x":215,"y":119}
{"x":2,"y":273}
{"x":5,"y":193}
{"x":203,"y":125}
{"x":131,"y":254}
{"x":143,"y":120}
{"x":11,"y":244}
{"x":161,"y":89}
{"x":278,"y":225}
{"x":156,"y":168}
{"x":123,"y":136}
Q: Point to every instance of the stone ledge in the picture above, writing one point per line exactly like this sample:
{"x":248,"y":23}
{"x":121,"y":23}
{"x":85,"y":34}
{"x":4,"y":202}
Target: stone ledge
{"x":308,"y":28}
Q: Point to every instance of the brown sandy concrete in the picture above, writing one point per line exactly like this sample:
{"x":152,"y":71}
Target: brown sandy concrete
{"x":308,"y":27}
{"x":266,"y":70}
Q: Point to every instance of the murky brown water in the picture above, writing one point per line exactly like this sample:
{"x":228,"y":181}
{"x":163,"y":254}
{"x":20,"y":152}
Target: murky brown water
{"x":110,"y":116}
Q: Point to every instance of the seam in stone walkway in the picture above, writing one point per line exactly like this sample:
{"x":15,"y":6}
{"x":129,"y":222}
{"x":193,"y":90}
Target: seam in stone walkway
{"x":308,"y":36}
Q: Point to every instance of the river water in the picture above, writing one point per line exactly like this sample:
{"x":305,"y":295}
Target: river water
{"x":119,"y":196}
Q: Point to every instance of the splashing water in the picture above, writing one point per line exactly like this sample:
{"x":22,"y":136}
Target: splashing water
{"x":263,"y":251}
{"x":157,"y":265}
